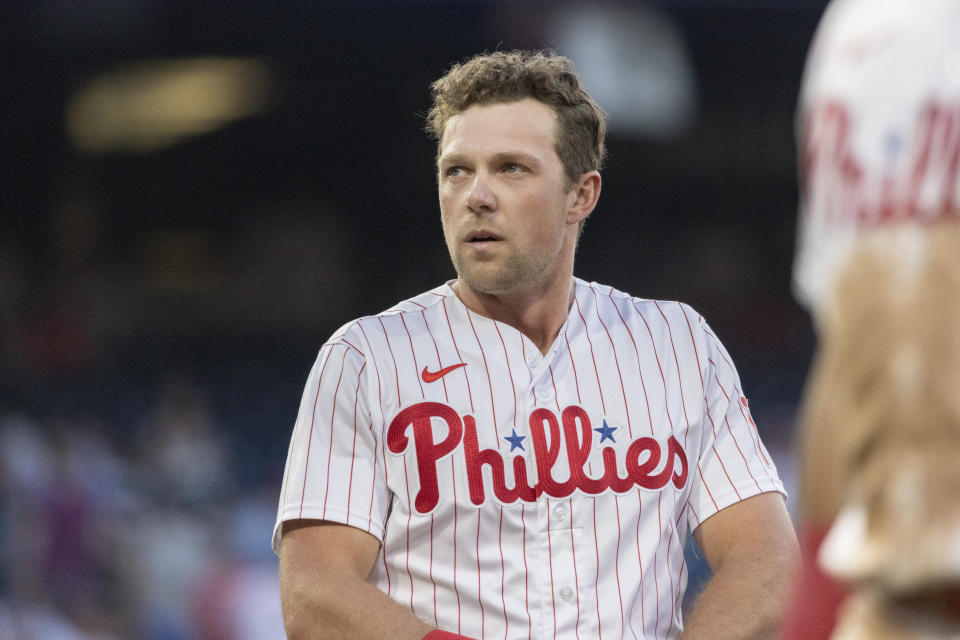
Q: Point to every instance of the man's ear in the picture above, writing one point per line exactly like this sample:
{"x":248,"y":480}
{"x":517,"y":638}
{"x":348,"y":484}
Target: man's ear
{"x":584,"y":196}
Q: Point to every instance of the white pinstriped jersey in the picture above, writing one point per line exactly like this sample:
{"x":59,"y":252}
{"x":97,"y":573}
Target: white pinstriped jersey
{"x":522,"y":495}
{"x":879,"y":134}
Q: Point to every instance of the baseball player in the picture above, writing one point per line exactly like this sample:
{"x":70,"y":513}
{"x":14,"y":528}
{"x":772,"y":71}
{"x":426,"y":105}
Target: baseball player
{"x":878,"y":265}
{"x":519,"y":453}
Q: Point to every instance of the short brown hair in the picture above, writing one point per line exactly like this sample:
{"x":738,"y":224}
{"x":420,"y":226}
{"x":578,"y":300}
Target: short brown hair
{"x":509,"y":76}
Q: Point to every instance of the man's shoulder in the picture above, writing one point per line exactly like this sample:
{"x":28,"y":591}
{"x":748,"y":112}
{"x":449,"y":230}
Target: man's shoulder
{"x":357,"y":331}
{"x":420,"y":302}
{"x":626,"y":304}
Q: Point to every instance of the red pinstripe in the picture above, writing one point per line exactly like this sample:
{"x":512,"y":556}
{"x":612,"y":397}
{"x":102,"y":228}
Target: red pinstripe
{"x":413,"y":354}
{"x":459,"y":357}
{"x":616,"y":565}
{"x":436,"y":623}
{"x":523,"y":349}
{"x":526,"y":573}
{"x":663,"y":379}
{"x":678,"y":595}
{"x":406,"y":479}
{"x":396,"y":373}
{"x":739,"y":450}
{"x":756,"y":439}
{"x":683,"y":401}
{"x":405,"y":476}
{"x":756,"y":433}
{"x":703,"y":481}
{"x":706,"y":402}
{"x":720,"y":459}
{"x":673,"y":590}
{"x":556,"y":398}
{"x":643,"y":613}
{"x":506,"y":357}
{"x":479,"y":588}
{"x":616,"y":360}
{"x":383,"y":452}
{"x":553,"y":588}
{"x":373,"y":484}
{"x":503,"y":577}
{"x":456,"y":587}
{"x":670,"y":419}
{"x":313,"y":416}
{"x":333,"y":412}
{"x":456,"y":584}
{"x":353,"y":451}
{"x":643,"y":384}
{"x":596,"y":579}
{"x":453,"y":471}
{"x":437,"y":349}
{"x":694,"y":510}
{"x":656,"y":572}
{"x":493,"y":409}
{"x":576,"y":578}
{"x":586,"y":332}
{"x":347,"y":342}
{"x":416,"y":368}
{"x":573,"y":366}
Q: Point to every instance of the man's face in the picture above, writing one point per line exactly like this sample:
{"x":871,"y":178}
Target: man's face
{"x":505,"y":198}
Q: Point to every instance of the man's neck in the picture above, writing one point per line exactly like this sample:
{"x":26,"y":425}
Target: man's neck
{"x":538,"y":314}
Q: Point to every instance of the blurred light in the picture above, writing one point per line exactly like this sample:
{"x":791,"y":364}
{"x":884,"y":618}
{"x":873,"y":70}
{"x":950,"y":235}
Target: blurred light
{"x":633,"y":61}
{"x":152,"y":105}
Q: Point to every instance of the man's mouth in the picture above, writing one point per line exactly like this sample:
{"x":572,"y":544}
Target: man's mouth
{"x":482,"y":236}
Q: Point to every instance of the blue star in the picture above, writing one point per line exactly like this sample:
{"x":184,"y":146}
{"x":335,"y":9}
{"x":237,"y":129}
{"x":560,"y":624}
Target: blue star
{"x":516,"y":442}
{"x":606,"y":432}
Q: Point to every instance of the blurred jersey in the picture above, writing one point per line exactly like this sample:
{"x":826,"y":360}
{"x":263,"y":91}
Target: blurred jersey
{"x":878,"y":266}
{"x":879,"y":125}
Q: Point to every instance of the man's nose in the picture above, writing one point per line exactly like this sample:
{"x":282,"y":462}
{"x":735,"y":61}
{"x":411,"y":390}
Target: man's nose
{"x":481,"y":197}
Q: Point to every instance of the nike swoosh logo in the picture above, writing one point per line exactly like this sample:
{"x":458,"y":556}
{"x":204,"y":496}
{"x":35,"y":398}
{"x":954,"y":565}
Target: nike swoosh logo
{"x":433,"y":376}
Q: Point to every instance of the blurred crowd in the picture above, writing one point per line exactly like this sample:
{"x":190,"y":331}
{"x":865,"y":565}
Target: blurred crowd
{"x":150,"y":535}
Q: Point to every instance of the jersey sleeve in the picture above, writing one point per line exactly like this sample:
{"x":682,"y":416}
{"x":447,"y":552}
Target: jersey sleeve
{"x":334,"y":467}
{"x":733,"y":462}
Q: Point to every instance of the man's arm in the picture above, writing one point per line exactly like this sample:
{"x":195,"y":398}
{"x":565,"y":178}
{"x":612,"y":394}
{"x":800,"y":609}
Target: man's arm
{"x":324,"y":590}
{"x":752,"y":549}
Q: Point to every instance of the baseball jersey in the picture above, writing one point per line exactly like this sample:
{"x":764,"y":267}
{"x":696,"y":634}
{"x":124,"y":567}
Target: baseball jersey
{"x":879,"y":135}
{"x":523,"y":495}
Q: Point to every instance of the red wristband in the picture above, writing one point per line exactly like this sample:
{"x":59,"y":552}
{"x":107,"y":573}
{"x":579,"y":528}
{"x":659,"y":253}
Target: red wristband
{"x":436,"y":634}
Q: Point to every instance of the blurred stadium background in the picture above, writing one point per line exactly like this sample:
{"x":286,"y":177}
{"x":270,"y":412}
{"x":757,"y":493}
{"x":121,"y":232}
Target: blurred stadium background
{"x":195,"y":194}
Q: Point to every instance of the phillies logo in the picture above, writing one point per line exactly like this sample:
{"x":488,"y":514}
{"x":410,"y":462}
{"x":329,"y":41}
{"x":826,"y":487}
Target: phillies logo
{"x":642,"y":458}
{"x":846,"y":189}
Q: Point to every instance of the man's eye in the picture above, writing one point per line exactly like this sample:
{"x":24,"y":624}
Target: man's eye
{"x":452,"y":172}
{"x":513,"y":167}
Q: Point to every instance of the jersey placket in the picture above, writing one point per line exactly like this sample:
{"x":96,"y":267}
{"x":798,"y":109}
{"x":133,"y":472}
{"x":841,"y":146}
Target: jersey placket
{"x":557,"y":575}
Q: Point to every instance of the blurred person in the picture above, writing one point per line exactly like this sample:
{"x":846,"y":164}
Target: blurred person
{"x":184,"y":446}
{"x":238,"y":597}
{"x":878,"y":266}
{"x":518,"y":452}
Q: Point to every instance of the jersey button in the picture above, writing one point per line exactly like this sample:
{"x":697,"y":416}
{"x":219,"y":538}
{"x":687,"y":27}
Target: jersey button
{"x":560,"y":513}
{"x":544,"y":394}
{"x":566,"y":594}
{"x":532,"y":360}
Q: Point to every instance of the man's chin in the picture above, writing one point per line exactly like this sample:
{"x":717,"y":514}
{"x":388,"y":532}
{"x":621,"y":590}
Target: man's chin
{"x":491,"y":284}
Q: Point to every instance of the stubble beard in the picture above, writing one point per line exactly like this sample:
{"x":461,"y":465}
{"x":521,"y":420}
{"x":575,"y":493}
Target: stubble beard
{"x":516,"y":273}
